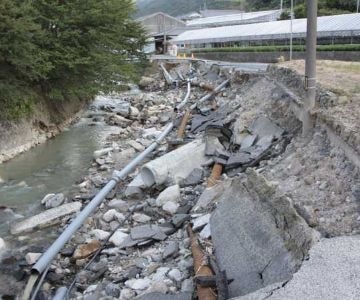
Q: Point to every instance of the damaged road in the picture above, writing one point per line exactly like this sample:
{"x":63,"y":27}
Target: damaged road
{"x":208,"y":214}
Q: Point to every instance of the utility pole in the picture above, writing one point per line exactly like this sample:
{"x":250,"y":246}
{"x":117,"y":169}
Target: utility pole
{"x":310,"y":65}
{"x":357,"y":6}
{"x":281,"y":4}
{"x":164,"y":32}
{"x":291,"y":29}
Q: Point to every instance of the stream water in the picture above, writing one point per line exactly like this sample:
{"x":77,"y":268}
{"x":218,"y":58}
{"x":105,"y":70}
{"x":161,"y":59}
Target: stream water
{"x":53,"y":167}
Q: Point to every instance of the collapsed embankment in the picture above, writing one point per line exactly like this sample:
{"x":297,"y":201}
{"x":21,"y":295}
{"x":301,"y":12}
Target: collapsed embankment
{"x":46,"y":121}
{"x":279,"y":193}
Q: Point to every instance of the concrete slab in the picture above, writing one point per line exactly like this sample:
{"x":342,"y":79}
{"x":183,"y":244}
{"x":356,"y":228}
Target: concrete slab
{"x":262,"y":126}
{"x":258,"y":236}
{"x":332,"y":272}
{"x":46,"y":218}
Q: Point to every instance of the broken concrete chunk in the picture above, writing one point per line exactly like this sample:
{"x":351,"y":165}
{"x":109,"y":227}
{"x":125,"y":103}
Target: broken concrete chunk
{"x":200,"y":222}
{"x":102,"y":152}
{"x":99,"y":234}
{"x":248,"y":141}
{"x":121,"y":205}
{"x":109,"y":215}
{"x":171,"y":194}
{"x":239,"y":159}
{"x":32,"y":258}
{"x":210,"y":195}
{"x":256,"y":231}
{"x":265,"y":142}
{"x":118,"y":238}
{"x":171,"y":249}
{"x":53,"y":200}
{"x":160,"y":236}
{"x":137,"y":146}
{"x":134,"y":189}
{"x":167,"y":228}
{"x":141,"y":218}
{"x":262,"y":126}
{"x":180,"y":219}
{"x":138,"y":284}
{"x":194,"y":178}
{"x":128,"y":242}
{"x":176,"y":165}
{"x":206,"y":232}
{"x":143,"y":232}
{"x":212,"y":145}
{"x":46,"y":218}
{"x":175,"y":275}
{"x":170,"y":207}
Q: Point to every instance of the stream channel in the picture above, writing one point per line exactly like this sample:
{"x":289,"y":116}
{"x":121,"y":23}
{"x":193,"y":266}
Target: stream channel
{"x":55,"y":166}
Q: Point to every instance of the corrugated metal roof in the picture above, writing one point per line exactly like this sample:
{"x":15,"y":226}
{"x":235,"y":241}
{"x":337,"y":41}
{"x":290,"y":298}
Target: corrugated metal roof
{"x":233,"y":19}
{"x":340,"y":25}
{"x":218,"y":12}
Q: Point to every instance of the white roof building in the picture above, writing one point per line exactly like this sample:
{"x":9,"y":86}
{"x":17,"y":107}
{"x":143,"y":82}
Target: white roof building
{"x":329,"y":26}
{"x":236,"y":18}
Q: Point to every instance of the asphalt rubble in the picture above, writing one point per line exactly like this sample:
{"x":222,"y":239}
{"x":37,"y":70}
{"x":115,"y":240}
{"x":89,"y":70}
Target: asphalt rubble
{"x":252,"y":229}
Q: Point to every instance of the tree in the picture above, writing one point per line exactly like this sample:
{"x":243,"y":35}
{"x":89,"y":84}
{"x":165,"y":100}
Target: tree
{"x":66,"y":49}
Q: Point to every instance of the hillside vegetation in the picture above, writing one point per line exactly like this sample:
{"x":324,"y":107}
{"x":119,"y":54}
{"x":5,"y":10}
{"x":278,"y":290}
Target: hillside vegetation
{"x":55,"y":51}
{"x":176,"y":8}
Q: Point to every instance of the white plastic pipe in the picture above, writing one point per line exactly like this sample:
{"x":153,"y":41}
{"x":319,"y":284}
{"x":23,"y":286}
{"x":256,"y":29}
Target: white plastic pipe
{"x":208,"y":96}
{"x":187,"y":96}
{"x":175,"y":165}
{"x":54,"y":249}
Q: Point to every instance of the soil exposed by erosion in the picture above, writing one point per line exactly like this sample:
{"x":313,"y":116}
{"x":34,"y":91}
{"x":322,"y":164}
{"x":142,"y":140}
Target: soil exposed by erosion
{"x":278,"y":195}
{"x":47,"y":121}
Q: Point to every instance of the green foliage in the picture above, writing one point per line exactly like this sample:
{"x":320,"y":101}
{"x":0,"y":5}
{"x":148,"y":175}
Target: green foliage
{"x":300,"y":48}
{"x":62,"y":50}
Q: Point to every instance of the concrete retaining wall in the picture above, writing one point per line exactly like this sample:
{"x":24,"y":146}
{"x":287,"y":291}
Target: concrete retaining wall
{"x":271,"y":57}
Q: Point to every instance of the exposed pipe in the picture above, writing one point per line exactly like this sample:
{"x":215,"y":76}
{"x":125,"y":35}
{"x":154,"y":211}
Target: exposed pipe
{"x":215,"y":175}
{"x":187,"y":96}
{"x":45,"y":260}
{"x":54,"y":249}
{"x":208,"y":96}
{"x":60,"y":293}
{"x":167,"y":75}
{"x":201,"y":268}
{"x":182,"y":127}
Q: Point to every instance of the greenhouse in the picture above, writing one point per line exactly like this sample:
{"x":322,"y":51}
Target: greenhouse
{"x":339,"y":29}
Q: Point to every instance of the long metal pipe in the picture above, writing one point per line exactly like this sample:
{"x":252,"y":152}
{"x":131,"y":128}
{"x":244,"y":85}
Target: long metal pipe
{"x":60,"y":294}
{"x":187,"y":96}
{"x":167,"y":75}
{"x":208,"y":96}
{"x":54,"y":249}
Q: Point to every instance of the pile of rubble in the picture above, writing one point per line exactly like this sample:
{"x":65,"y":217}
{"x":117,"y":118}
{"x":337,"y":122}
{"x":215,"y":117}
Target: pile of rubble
{"x":199,"y":217}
